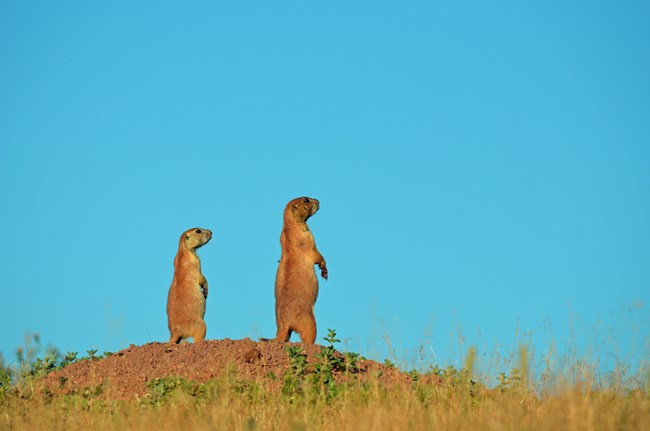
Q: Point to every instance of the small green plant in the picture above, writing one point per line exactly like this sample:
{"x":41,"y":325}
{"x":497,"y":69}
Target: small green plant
{"x":5,"y":381}
{"x":297,"y":359}
{"x":323,"y":381}
{"x":70,"y":358}
{"x":40,"y":366}
{"x":503,"y":382}
{"x":293,"y":378}
{"x":351,"y":362}
{"x":511,"y":382}
{"x":331,"y":337}
{"x":161,"y":389}
{"x":93,"y":391}
{"x":454,"y":378}
{"x":30,"y":364}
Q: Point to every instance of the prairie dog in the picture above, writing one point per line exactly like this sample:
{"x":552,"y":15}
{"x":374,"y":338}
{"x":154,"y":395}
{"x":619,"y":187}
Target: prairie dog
{"x":189,"y":289}
{"x":296,"y":284}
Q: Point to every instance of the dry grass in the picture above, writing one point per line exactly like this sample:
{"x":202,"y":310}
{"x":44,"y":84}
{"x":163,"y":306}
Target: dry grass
{"x":570,"y":397}
{"x":229,"y":405}
{"x":396,"y":409}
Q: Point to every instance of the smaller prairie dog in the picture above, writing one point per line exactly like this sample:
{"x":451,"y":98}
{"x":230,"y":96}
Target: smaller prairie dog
{"x":296,"y":284}
{"x":189,"y":289}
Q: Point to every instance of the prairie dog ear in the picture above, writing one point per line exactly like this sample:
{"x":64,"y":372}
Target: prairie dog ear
{"x":187,"y":236}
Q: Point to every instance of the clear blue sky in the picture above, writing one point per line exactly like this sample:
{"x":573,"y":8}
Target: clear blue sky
{"x":483,"y":168}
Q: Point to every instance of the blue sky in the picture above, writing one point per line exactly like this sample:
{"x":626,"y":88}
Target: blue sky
{"x":482,"y":167}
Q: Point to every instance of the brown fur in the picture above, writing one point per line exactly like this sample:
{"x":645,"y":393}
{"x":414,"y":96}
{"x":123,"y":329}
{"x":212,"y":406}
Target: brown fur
{"x":189,"y":289}
{"x":296,"y":284}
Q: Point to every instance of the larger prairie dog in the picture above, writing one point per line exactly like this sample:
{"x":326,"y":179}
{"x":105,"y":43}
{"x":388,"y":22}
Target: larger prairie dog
{"x":296,"y":284}
{"x":189,"y":289}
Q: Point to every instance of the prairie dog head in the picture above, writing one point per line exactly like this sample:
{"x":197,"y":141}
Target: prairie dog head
{"x":195,"y":238}
{"x":302,"y":208}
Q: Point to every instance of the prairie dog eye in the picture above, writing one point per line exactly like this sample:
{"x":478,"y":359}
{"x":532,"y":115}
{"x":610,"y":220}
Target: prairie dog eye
{"x":198,"y":231}
{"x":306,"y":200}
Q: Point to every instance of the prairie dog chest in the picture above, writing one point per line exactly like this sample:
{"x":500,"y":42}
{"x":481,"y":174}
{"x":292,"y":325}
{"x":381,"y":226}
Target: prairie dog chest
{"x":199,"y":285}
{"x":191,"y":280}
{"x":301,"y":239}
{"x":306,"y":240}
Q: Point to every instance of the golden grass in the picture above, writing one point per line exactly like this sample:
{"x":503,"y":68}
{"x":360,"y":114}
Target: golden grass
{"x":454,"y":406}
{"x":568,"y":396}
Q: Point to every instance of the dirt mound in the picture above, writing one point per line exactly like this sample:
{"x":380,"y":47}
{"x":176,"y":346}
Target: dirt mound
{"x":124,"y":375}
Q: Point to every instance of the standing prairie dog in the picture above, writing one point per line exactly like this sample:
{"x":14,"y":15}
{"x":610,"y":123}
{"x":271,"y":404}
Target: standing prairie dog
{"x":189,"y":289}
{"x":296,"y":284}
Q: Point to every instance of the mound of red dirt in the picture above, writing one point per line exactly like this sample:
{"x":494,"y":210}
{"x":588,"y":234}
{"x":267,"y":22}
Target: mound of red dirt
{"x":124,"y":375}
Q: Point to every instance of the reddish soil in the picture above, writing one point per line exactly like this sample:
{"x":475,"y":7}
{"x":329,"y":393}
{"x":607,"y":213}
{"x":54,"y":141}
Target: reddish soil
{"x":124,"y":375}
